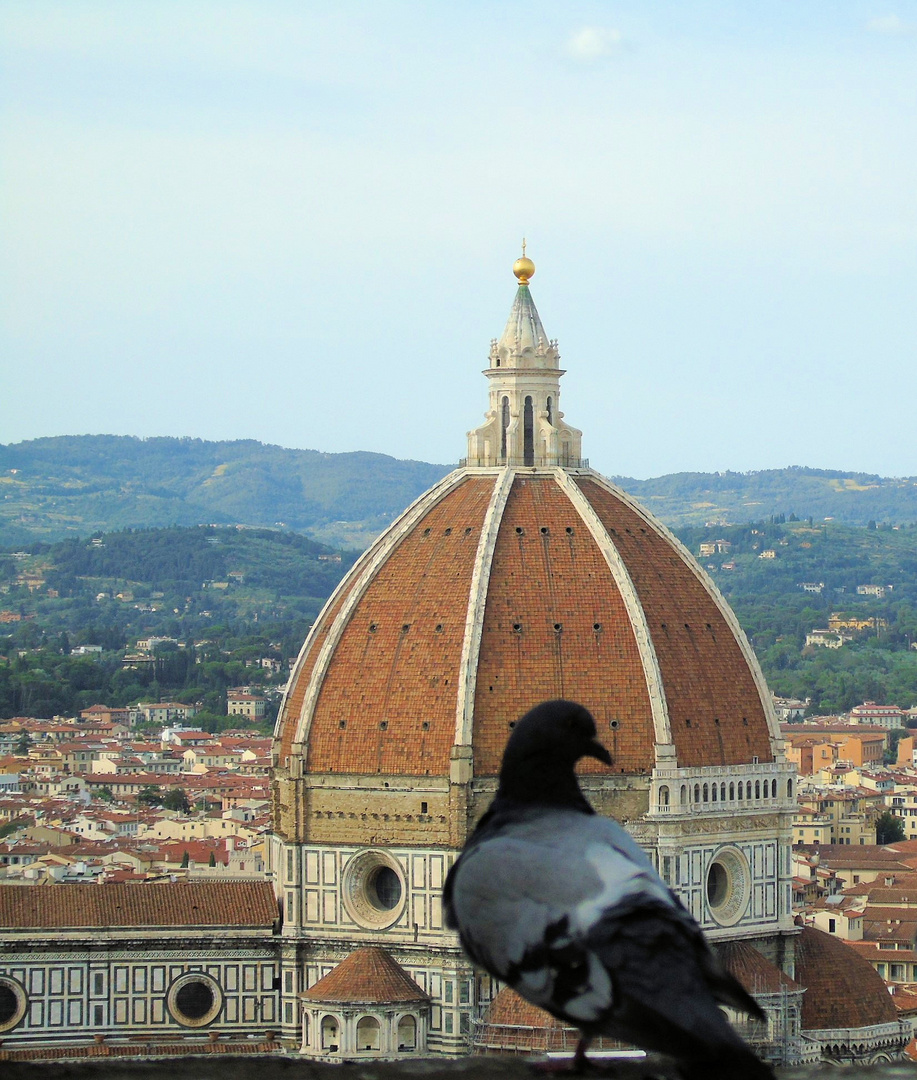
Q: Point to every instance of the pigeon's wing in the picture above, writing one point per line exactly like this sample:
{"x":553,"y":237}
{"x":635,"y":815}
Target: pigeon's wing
{"x":524,"y":895}
{"x":506,"y":894}
{"x":665,"y":985}
{"x":725,"y":988}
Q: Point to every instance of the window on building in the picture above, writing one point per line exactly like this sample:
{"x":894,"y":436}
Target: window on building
{"x":330,"y":1034}
{"x":407,"y":1033}
{"x":368,"y":1033}
{"x":528,"y":433}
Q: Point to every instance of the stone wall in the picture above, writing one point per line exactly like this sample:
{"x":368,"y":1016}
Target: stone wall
{"x":261,"y":1067}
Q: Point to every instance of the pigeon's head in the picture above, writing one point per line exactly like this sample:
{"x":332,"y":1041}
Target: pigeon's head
{"x":543,"y":749}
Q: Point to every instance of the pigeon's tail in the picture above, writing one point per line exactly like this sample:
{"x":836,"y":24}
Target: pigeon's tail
{"x":666,"y":986}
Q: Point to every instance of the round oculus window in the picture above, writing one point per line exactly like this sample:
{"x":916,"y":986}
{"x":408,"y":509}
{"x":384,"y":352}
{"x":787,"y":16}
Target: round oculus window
{"x":13,"y":1003}
{"x":373,"y":889}
{"x":728,"y":886}
{"x":194,"y":1000}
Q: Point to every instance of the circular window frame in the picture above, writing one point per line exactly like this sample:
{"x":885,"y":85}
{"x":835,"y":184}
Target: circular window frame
{"x":357,"y":891}
{"x":184,"y":980}
{"x":22,"y":1002}
{"x":733,"y":873}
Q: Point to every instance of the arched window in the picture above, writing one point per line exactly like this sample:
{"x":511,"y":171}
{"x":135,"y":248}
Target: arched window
{"x":773,"y":789}
{"x":368,"y":1032}
{"x":715,"y":793}
{"x":789,"y":789}
{"x":722,"y":792}
{"x":757,"y":789}
{"x":550,"y":411}
{"x":663,"y":796}
{"x":748,"y":789}
{"x":407,"y":1033}
{"x":732,"y":792}
{"x":741,"y":789}
{"x":684,"y":794}
{"x":706,"y":793}
{"x":697,"y":793}
{"x":528,"y":433}
{"x":504,"y":424}
{"x":330,"y":1029}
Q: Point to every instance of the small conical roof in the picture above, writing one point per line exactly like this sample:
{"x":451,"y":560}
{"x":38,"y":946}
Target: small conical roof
{"x":523,"y":327}
{"x":367,"y":975}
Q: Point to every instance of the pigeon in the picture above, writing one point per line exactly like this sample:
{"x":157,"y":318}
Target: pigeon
{"x":565,"y":907}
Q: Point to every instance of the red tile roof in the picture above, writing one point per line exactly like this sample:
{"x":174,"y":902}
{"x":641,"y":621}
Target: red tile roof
{"x":367,"y":975}
{"x":842,"y":987}
{"x":753,"y":970}
{"x":194,"y":904}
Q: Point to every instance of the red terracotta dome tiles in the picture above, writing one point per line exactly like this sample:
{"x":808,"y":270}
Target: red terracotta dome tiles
{"x":369,"y":975}
{"x":555,"y":626}
{"x":715,"y":709}
{"x":843,"y":989}
{"x":395,"y":667}
{"x":292,"y":705}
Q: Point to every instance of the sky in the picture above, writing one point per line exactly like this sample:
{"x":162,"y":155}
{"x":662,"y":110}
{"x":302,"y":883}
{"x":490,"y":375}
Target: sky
{"x":296,"y":221}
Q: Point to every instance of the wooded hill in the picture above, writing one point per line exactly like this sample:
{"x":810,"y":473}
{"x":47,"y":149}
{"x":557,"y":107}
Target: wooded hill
{"x":77,"y":485}
{"x":81,"y":484}
{"x":232,"y":596}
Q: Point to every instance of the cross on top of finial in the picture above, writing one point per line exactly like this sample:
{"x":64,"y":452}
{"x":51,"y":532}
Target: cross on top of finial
{"x":523,"y":267}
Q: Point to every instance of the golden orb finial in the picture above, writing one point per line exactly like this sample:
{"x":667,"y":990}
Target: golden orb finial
{"x":523,"y":268}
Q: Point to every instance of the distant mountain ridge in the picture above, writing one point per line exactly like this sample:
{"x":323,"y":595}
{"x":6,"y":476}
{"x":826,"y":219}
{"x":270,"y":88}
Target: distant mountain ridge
{"x":851,"y":497}
{"x":75,"y":485}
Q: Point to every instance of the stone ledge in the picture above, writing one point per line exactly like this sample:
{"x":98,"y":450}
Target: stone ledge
{"x":295,"y":1068}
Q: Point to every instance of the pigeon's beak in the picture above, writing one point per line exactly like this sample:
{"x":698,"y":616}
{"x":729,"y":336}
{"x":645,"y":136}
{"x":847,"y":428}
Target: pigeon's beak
{"x":595,"y":749}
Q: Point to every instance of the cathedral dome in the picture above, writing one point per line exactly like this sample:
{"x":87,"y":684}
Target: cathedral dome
{"x":501,"y":588}
{"x":843,"y":990}
{"x":521,"y":576}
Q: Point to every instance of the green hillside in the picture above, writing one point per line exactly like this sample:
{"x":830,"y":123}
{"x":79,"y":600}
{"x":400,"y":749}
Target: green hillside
{"x":78,"y":485}
{"x":762,"y":574}
{"x":231,"y":597}
{"x":854,"y":498}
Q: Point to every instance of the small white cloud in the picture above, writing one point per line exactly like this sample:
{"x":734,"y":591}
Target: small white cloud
{"x":892,"y":25}
{"x":593,"y":42}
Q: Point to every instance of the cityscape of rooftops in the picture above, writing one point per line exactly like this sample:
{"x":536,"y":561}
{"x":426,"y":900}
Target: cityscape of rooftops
{"x":294,"y":524}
